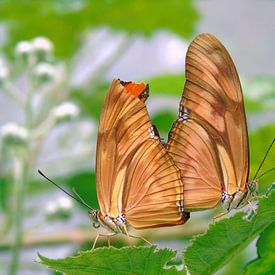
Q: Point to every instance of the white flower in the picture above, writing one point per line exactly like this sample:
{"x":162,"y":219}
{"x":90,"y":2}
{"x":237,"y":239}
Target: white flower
{"x":13,"y":134}
{"x":65,"y":203}
{"x":4,"y":72}
{"x":42,"y":45}
{"x":45,"y":71}
{"x":65,"y":111}
{"x":23,"y":49}
{"x":51,"y":208}
{"x":61,"y":208}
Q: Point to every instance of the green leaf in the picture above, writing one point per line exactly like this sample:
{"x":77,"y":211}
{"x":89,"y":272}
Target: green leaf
{"x":167,"y":84}
{"x":63,"y":21}
{"x":164,"y":121}
{"x":85,"y":185}
{"x":127,"y":260}
{"x":91,"y":102}
{"x":224,"y":239}
{"x":236,"y":264}
{"x":265,"y":264}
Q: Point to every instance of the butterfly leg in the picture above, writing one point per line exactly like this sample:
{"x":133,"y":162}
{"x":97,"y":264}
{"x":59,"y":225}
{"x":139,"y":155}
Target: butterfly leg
{"x":95,"y":241}
{"x":126,"y":231}
{"x":141,"y":238}
{"x":102,"y":235}
{"x":219,"y":215}
{"x":109,"y":241}
{"x":252,"y":207}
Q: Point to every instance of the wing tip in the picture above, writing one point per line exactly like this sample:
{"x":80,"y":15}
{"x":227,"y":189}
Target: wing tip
{"x":139,"y":90}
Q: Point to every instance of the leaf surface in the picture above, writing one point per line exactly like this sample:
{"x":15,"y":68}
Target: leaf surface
{"x":127,"y":260}
{"x":226,"y":238}
{"x":265,"y":264}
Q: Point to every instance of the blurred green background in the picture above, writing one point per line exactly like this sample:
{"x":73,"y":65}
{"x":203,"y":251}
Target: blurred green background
{"x":58,"y":58}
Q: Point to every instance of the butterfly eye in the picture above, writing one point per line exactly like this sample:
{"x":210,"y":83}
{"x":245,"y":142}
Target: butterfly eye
{"x":96,"y":225}
{"x":252,"y":186}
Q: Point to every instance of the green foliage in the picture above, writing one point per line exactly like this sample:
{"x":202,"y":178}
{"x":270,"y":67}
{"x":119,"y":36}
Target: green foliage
{"x":84,"y":184}
{"x":236,"y":264}
{"x":3,"y":193}
{"x":226,"y":238}
{"x":127,"y":260}
{"x":91,"y":103}
{"x":265,"y":263}
{"x":64,"y":21}
{"x":164,"y":122}
{"x":207,"y":253}
{"x":167,"y":84}
{"x":259,"y":93}
{"x":259,"y":142}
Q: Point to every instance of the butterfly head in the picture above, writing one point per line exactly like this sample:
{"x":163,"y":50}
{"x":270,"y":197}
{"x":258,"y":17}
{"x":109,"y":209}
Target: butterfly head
{"x":94,"y":216}
{"x":252,"y":187}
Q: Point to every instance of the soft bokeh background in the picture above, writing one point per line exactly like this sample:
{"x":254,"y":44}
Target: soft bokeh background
{"x":57,"y":59}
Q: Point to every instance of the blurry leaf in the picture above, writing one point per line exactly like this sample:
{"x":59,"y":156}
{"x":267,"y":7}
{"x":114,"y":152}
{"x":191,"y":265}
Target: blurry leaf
{"x":253,"y":105}
{"x":164,"y":121}
{"x":236,"y":264}
{"x":64,"y":21}
{"x":167,"y":84}
{"x":226,"y":238}
{"x":259,"y":142}
{"x":85,"y":186}
{"x":4,"y":193}
{"x":259,"y":93}
{"x":127,"y":260}
{"x":265,"y":264}
{"x":91,"y":103}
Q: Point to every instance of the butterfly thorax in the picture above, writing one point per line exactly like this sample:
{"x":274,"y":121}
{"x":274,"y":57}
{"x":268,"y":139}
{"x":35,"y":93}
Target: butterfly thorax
{"x":113,"y":225}
{"x":241,"y":197}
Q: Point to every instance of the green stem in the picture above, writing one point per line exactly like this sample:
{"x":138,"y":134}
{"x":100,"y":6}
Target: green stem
{"x":21,"y":179}
{"x":22,"y":164}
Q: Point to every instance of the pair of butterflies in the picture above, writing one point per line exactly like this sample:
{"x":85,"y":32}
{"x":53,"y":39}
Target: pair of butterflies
{"x":144,"y":183}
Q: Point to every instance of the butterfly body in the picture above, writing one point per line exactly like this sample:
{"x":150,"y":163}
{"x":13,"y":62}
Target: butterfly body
{"x":112,"y":225}
{"x":236,"y":200}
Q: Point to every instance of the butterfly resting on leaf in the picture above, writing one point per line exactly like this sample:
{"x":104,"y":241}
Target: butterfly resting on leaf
{"x":137,"y":181}
{"x":209,"y":140}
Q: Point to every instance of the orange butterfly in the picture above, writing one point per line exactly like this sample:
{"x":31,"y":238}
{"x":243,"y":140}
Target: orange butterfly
{"x":137,"y":181}
{"x":209,"y":141}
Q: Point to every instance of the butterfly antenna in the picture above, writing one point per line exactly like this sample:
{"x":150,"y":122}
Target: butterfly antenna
{"x":269,"y":148}
{"x":66,"y":192}
{"x":266,"y":172}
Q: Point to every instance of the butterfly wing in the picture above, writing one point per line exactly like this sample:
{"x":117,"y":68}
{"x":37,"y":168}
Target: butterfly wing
{"x":194,"y":152}
{"x":131,"y":161}
{"x":212,"y":109}
{"x":153,"y":196}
